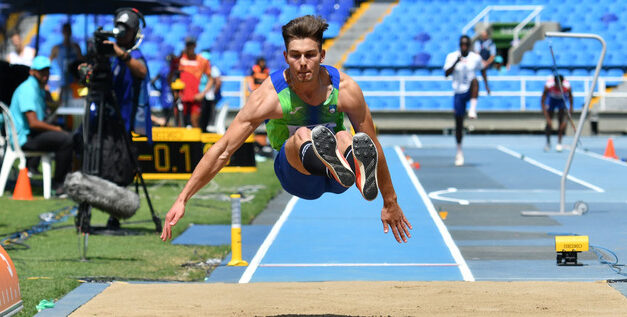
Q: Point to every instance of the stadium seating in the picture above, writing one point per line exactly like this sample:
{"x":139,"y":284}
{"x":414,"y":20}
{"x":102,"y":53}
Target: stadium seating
{"x":420,"y":33}
{"x":236,"y":32}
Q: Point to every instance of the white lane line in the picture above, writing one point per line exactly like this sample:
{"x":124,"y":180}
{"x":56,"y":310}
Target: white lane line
{"x":446,"y":236}
{"x":356,"y":264}
{"x":601,"y":157}
{"x":416,"y":140}
{"x":548,"y":168}
{"x":437,"y":195}
{"x":254,"y":263}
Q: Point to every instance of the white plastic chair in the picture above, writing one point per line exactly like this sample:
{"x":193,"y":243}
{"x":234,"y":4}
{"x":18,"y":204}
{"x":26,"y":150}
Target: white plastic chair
{"x":219,"y":124}
{"x":13,"y":151}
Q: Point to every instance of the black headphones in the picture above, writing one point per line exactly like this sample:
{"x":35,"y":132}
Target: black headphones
{"x":138,"y":33}
{"x":139,"y":14}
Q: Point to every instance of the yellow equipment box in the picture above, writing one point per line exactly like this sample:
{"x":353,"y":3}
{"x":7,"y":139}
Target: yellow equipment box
{"x":571,"y":243}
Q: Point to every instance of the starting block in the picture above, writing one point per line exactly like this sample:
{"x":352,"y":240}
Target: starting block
{"x":10,"y":296}
{"x":567,"y":248}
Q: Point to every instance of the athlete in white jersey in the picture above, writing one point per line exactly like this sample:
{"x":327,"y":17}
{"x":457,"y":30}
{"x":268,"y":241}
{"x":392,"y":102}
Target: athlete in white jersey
{"x":463,"y":65}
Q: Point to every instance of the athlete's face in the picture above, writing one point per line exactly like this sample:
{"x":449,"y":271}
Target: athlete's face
{"x":464,"y":46}
{"x":304,"y":57}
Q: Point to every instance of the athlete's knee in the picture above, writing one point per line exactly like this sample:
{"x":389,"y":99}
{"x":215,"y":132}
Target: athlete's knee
{"x":344,"y":139}
{"x":302,"y":135}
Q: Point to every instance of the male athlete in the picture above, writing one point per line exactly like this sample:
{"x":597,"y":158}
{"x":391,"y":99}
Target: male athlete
{"x":557,"y":100}
{"x":305,"y":113}
{"x":464,"y":64}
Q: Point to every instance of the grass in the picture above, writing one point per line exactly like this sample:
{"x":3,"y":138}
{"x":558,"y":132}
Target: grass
{"x":50,"y":268}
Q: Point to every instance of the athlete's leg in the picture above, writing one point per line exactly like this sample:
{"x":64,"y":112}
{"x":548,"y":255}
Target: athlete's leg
{"x":562,"y":124}
{"x":474,"y":94}
{"x":548,"y":129}
{"x":293,"y":148}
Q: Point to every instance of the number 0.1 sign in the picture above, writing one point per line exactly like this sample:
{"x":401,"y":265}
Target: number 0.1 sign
{"x":175,"y":152}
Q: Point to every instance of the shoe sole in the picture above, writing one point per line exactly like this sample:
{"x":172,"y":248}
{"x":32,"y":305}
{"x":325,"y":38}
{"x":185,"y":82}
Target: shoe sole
{"x":325,"y":147}
{"x":366,"y":164}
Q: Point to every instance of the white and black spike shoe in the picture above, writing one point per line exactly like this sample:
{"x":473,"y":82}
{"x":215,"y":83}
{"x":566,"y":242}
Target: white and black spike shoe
{"x":366,"y":162}
{"x":325,"y":147}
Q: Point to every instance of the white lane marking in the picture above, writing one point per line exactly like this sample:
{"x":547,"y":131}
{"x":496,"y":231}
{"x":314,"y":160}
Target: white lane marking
{"x":446,"y":236}
{"x":254,"y":263}
{"x":416,"y":140}
{"x":601,"y":157}
{"x":548,"y":168}
{"x":437,"y":195}
{"x":523,"y":194}
{"x":355,"y":264}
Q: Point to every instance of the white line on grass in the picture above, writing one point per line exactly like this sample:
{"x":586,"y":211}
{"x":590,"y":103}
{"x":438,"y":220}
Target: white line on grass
{"x":548,"y":168}
{"x":448,"y":240}
{"x":254,"y":263}
{"x":416,"y":140}
{"x":354,"y":264}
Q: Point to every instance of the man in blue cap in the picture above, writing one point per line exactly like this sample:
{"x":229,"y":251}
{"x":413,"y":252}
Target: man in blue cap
{"x":28,"y":108}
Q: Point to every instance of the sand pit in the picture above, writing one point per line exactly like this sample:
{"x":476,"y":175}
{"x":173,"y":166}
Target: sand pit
{"x":359,"y":298}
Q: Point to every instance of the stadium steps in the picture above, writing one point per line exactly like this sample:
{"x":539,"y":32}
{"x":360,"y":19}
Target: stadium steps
{"x":369,"y":14}
{"x":614,"y":104}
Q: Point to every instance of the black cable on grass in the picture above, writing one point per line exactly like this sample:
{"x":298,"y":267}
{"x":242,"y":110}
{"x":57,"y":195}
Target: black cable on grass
{"x":15,"y":240}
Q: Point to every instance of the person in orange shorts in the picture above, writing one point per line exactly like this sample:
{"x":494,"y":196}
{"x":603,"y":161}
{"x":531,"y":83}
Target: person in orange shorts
{"x":192,"y":66}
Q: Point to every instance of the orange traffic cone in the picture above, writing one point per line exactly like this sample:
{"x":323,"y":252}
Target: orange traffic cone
{"x":22,"y":189}
{"x":609,"y":150}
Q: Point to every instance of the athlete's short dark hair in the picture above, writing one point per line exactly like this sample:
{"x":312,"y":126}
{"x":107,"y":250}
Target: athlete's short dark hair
{"x":307,"y":26}
{"x":464,"y":37}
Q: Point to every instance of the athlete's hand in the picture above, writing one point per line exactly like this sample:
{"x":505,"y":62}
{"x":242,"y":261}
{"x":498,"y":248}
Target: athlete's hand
{"x":176,"y":212}
{"x":392,"y":216}
{"x":199,"y":96}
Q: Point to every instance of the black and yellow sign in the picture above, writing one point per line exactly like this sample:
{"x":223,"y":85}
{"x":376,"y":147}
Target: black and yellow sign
{"x":174,"y":153}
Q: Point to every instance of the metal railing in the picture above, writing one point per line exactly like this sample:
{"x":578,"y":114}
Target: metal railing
{"x":485,"y":16}
{"x":402,"y":93}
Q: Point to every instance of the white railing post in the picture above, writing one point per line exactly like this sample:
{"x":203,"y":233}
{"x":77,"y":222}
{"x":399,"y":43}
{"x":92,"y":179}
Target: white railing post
{"x":402,"y":88}
{"x":602,"y":90}
{"x":523,"y":93}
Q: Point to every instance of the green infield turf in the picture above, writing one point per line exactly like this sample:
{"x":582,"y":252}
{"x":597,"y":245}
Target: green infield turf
{"x":50,"y":267}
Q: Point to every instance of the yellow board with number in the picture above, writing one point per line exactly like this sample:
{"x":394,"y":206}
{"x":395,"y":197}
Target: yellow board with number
{"x":174,"y":153}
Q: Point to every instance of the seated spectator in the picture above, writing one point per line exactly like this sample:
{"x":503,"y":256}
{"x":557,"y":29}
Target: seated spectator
{"x":21,"y":53}
{"x":485,"y":48}
{"x":28,"y":109}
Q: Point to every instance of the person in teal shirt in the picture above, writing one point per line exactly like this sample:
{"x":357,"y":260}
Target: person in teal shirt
{"x":28,"y":108}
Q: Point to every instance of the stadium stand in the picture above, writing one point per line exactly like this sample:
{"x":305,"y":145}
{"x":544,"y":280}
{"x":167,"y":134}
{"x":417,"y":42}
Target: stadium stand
{"x":415,"y":38}
{"x":236,"y":32}
{"x":412,"y":40}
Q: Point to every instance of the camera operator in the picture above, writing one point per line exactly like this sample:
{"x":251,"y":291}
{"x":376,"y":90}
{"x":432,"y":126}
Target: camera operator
{"x":130,"y":74}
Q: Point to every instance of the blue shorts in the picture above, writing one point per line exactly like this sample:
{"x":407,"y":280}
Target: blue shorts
{"x":301,"y":185}
{"x":459,"y":103}
{"x":555,"y":103}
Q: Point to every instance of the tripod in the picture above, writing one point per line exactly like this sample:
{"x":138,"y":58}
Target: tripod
{"x":101,"y":97}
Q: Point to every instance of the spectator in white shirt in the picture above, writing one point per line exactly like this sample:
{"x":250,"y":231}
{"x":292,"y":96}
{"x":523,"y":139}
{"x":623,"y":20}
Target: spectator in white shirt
{"x":21,"y":53}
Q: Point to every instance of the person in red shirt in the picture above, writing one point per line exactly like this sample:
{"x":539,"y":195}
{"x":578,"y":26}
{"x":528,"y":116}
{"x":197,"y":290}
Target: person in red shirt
{"x":258,"y":74}
{"x":192,"y":66}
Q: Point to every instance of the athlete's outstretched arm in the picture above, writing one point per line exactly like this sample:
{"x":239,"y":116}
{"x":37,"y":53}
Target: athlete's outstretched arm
{"x":261,"y":105}
{"x":352,"y":102}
